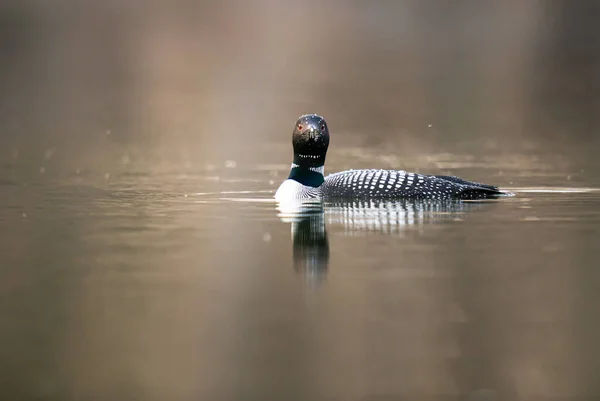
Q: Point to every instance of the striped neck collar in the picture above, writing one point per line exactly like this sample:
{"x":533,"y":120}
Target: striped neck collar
{"x":308,"y":176}
{"x":320,"y":170}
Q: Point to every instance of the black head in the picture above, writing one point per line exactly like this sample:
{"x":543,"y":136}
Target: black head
{"x":310,"y":141}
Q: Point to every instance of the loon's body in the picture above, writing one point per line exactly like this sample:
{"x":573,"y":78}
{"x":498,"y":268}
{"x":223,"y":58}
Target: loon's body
{"x":306,"y":181}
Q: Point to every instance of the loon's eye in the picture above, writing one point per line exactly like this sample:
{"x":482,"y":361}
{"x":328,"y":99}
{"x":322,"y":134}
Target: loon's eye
{"x":322,"y":127}
{"x":300,"y":127}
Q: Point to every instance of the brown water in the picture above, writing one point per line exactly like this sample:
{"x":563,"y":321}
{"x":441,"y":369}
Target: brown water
{"x":143,"y":288}
{"x":142,"y":256}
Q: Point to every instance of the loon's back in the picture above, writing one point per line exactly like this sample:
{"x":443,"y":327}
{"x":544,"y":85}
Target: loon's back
{"x":394,"y":184}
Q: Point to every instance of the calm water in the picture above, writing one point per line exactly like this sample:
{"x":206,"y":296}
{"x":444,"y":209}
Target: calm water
{"x":160,"y":286}
{"x":141,"y":255}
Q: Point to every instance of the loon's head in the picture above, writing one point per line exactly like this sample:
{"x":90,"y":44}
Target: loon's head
{"x":310,"y":140}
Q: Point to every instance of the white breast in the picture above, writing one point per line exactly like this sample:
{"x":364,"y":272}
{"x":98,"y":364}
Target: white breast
{"x":293,"y":190}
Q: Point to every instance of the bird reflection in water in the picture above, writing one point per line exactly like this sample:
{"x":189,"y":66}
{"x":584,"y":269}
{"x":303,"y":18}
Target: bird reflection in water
{"x":309,"y":234}
{"x":394,"y":217}
{"x":311,"y":247}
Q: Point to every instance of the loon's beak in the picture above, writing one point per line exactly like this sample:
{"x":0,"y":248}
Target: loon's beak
{"x":313,"y":132}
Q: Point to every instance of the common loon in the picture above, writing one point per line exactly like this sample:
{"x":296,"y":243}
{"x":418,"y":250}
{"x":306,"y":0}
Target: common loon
{"x":310,"y":141}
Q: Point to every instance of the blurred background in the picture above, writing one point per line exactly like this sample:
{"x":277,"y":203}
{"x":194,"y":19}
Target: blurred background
{"x":118,"y":281}
{"x":131,"y":84}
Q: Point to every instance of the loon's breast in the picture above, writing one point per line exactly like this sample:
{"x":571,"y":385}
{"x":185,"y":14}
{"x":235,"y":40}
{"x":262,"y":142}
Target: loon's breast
{"x":393,"y":184}
{"x":291,"y":190}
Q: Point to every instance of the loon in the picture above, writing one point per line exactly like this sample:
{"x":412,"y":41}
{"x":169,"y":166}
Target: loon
{"x":306,"y":181}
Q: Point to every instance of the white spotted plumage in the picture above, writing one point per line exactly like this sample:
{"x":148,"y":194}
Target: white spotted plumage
{"x":388,"y":184}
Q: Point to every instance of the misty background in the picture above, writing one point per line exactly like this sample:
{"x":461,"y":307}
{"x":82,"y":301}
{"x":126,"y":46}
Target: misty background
{"x":115,"y":86}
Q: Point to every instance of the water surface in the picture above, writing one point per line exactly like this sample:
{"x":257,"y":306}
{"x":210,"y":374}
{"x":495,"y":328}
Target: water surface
{"x":196,"y":287}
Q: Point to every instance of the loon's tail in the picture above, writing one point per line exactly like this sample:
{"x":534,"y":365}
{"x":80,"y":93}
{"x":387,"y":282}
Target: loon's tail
{"x":457,"y":180}
{"x":475,"y":190}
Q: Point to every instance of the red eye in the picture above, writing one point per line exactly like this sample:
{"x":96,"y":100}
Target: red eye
{"x":322,"y":127}
{"x":299,"y":127}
